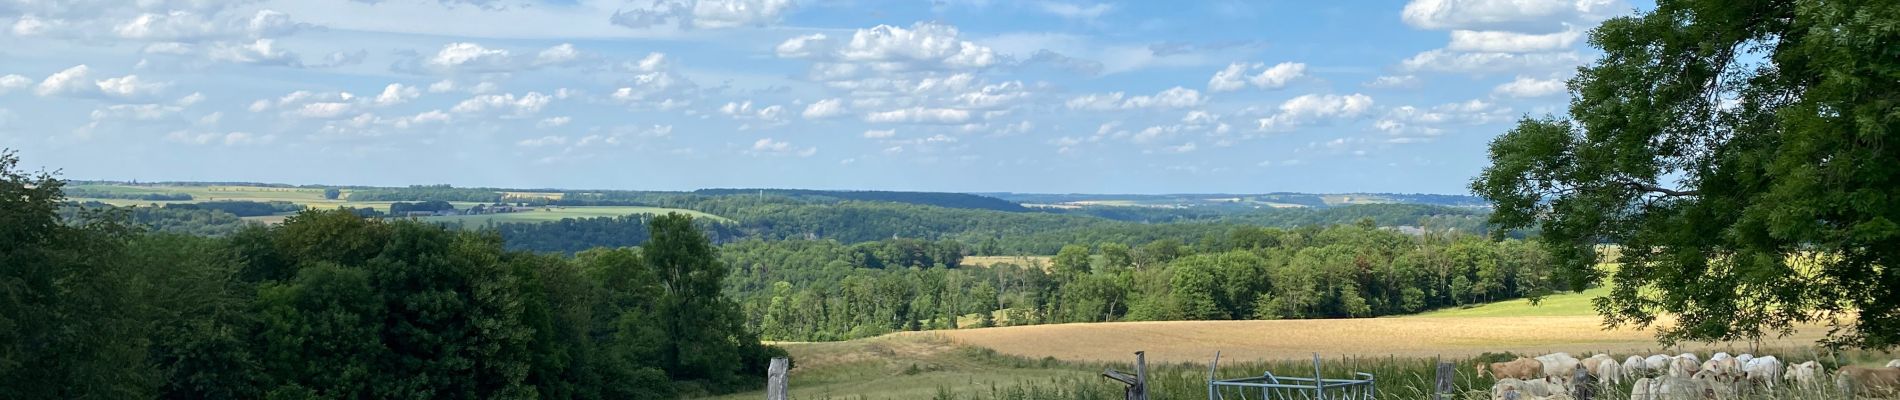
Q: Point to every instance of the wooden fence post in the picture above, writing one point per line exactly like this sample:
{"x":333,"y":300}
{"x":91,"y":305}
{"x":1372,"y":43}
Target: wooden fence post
{"x":775,"y":382}
{"x":1444,"y":380}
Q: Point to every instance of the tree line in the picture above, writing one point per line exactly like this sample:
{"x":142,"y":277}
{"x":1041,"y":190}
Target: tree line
{"x":333,"y":305}
{"x":828,"y":290}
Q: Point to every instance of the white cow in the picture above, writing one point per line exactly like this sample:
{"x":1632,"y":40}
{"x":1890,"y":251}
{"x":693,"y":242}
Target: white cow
{"x":1720,"y":355}
{"x":1683,"y":367}
{"x":1537,"y":389}
{"x":1558,"y":367}
{"x":1634,"y":366}
{"x":1765,"y":370}
{"x":1658,"y":363}
{"x":1744,"y":358}
{"x":1893,"y":364}
{"x":1609,"y":373}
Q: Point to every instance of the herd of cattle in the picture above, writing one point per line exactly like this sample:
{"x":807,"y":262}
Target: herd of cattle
{"x":1560,"y":376}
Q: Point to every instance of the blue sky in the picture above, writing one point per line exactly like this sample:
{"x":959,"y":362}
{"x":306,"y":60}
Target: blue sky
{"x":945,"y":95}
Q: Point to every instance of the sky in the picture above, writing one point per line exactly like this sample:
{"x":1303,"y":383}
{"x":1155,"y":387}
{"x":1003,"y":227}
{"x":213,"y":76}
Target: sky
{"x":1057,"y":96}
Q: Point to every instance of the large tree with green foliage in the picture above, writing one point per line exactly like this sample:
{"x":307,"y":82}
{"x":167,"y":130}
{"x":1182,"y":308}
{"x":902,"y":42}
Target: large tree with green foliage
{"x":1741,"y":154}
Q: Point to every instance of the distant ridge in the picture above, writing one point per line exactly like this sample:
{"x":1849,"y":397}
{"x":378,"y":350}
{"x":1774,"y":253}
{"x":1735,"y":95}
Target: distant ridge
{"x":939,"y":199}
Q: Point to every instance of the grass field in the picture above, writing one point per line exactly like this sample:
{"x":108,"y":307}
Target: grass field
{"x":313,"y":198}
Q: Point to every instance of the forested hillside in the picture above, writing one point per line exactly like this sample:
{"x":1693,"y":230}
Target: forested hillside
{"x":332,"y":305}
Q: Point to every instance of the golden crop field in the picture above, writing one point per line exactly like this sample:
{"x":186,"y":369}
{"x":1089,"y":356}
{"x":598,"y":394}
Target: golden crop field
{"x":1196,"y":341}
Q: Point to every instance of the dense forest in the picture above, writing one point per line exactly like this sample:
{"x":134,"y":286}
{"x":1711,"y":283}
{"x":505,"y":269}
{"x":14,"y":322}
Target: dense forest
{"x":333,"y":305}
{"x":827,"y":290}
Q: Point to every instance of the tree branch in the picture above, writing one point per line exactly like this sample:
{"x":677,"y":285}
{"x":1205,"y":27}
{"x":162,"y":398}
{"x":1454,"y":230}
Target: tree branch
{"x":1651,"y":188}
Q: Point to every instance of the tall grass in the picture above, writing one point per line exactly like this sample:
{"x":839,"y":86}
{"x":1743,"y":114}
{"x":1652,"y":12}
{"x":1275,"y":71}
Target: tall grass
{"x":1395,"y":377}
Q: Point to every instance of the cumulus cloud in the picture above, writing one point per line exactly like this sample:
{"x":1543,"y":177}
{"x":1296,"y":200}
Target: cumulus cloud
{"x":826,"y":108}
{"x":880,"y":133}
{"x":920,"y":115}
{"x":13,"y":82}
{"x":261,"y":52}
{"x":77,"y":81}
{"x":1234,"y":76}
{"x":922,"y":46}
{"x":1313,"y":108}
{"x":1512,"y":42}
{"x":469,"y":57}
{"x":772,"y":147}
{"x":518,"y":106}
{"x":1172,"y":98}
{"x":1408,"y":124}
{"x":708,"y":14}
{"x":1525,"y":86}
{"x":1470,"y":14}
{"x":1441,"y":60}
{"x":397,"y":93}
{"x":554,"y":122}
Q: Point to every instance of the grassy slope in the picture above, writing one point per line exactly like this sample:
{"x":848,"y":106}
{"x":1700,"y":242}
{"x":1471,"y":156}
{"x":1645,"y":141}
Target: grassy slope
{"x":1564,"y":304}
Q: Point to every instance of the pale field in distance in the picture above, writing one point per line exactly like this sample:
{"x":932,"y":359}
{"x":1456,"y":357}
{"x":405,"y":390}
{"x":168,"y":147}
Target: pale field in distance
{"x":988,"y":261}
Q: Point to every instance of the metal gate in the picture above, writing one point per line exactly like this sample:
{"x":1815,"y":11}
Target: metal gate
{"x":1270,"y":387}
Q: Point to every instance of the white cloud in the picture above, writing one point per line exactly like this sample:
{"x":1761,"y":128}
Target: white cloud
{"x":1172,"y":98}
{"x":1512,"y":42}
{"x":470,"y":56}
{"x":920,"y":115}
{"x":1468,"y":14}
{"x":1410,"y":124}
{"x":322,"y":110}
{"x":1441,"y":60}
{"x":1525,"y":86}
{"x":76,"y":81}
{"x":745,"y":111}
{"x":136,"y":112}
{"x":427,"y":117}
{"x":735,"y":13}
{"x":880,"y":133}
{"x":69,"y":81}
{"x":261,"y":52}
{"x":1393,"y":82}
{"x":29,"y":25}
{"x":826,"y":108}
{"x":557,"y":55}
{"x":10,"y":82}
{"x":803,"y":46}
{"x":708,"y":14}
{"x":922,"y":46}
{"x":543,"y":141}
{"x":397,"y":93}
{"x":1314,"y":108}
{"x":1182,"y":148}
{"x":524,"y":105}
{"x":227,"y":139}
{"x":1233,"y":77}
{"x":1076,"y":11}
{"x":769,"y":146}
{"x":553,"y":122}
